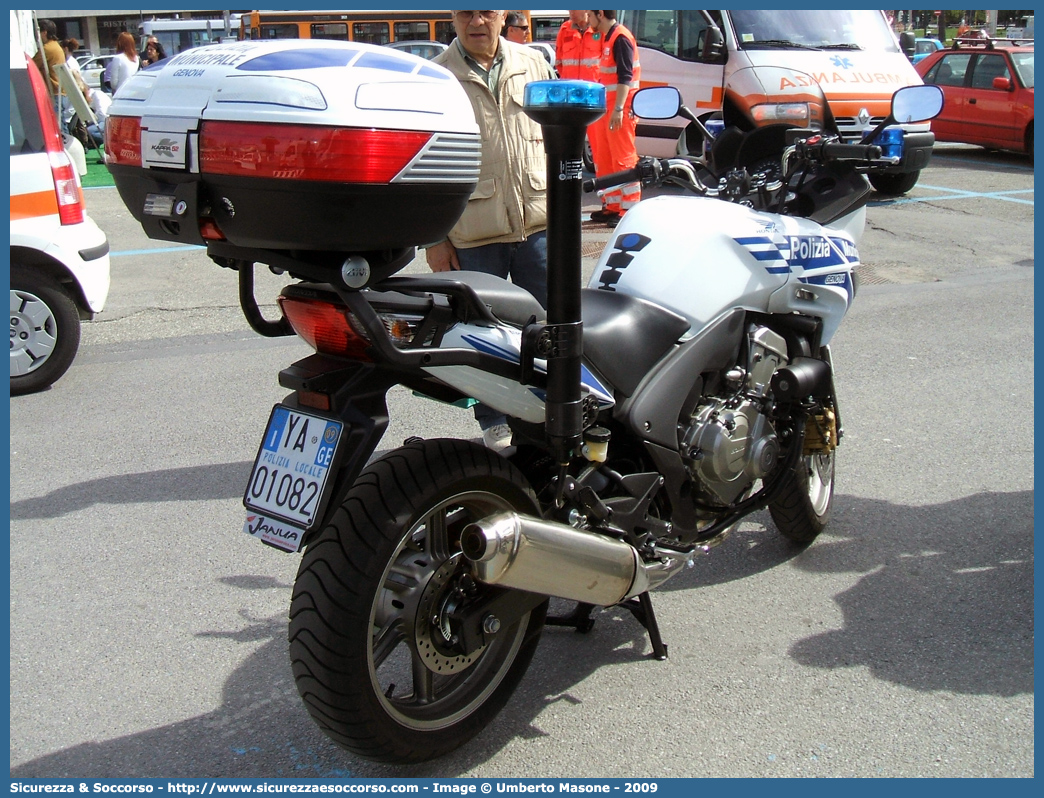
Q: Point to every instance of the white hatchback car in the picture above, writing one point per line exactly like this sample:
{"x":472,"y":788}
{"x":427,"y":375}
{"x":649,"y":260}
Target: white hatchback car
{"x":59,"y":256}
{"x":92,"y":69}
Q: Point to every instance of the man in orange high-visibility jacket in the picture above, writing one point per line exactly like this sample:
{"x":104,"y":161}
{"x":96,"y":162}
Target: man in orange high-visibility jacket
{"x":612,"y":136}
{"x":576,"y":49}
{"x":577,"y":53}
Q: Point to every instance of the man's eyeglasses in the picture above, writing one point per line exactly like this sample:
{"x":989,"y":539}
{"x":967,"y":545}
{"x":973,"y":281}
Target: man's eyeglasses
{"x":520,"y":27}
{"x":467,"y":16}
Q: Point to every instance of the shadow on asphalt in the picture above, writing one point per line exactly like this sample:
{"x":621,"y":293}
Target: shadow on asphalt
{"x":190,"y":483}
{"x":925,"y":614}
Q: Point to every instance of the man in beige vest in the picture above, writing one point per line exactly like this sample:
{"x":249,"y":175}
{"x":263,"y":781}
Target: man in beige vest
{"x":503,"y":229}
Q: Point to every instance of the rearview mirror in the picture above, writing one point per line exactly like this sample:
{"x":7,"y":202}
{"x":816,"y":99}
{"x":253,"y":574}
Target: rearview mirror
{"x":715,"y":45}
{"x":916,"y":104}
{"x":657,"y":102}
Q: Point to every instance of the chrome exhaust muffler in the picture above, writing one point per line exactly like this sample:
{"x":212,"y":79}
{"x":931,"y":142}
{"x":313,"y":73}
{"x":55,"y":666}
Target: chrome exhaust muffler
{"x":527,"y":553}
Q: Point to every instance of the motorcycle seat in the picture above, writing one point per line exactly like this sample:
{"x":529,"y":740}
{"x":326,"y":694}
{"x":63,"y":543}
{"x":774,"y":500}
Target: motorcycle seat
{"x":506,"y":301}
{"x":624,"y":336}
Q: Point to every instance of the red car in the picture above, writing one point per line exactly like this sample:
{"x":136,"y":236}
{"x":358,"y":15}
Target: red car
{"x":989,"y":96}
{"x":971,"y":38}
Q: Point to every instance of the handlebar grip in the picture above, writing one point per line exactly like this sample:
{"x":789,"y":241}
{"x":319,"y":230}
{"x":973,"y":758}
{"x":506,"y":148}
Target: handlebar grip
{"x":851,"y":152}
{"x":615,"y":179}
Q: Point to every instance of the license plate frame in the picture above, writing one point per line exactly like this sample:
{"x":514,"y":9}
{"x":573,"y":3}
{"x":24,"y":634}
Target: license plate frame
{"x":290,"y":478}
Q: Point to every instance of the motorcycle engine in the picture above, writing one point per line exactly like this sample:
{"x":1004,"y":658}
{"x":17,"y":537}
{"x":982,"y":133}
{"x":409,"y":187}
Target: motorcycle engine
{"x":728,"y":442}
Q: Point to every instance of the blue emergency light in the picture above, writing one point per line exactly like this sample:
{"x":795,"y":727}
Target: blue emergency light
{"x":890,"y":140}
{"x":580,"y":95}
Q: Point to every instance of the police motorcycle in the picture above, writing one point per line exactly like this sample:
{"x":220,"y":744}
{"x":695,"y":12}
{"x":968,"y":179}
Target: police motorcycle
{"x":687,"y":386}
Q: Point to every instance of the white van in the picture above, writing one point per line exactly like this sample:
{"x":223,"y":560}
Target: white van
{"x":59,"y":256}
{"x":853,"y":55}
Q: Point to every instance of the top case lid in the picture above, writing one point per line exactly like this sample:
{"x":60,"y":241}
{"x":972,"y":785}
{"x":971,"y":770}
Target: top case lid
{"x":292,"y":81}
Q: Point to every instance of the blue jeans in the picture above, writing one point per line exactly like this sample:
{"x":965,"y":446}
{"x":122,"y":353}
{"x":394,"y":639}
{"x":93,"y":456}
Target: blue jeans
{"x":525,"y":262}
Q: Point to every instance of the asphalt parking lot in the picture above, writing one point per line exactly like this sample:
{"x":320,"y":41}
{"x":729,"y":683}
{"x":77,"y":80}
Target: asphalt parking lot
{"x":148,"y":633}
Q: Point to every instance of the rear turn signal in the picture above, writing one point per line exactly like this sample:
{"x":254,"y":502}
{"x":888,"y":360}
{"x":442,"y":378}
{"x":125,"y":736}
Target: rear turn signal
{"x":329,"y":329}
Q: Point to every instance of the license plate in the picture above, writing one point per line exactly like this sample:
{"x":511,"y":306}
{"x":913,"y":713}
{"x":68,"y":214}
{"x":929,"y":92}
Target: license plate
{"x":291,"y":473}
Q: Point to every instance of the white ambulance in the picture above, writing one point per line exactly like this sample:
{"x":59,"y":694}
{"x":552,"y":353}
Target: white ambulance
{"x":853,"y":55}
{"x":59,"y":256}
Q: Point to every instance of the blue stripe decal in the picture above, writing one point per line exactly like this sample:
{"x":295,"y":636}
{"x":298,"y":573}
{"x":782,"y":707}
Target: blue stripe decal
{"x":762,"y":248}
{"x":588,"y":380}
{"x":807,"y":252}
{"x":847,"y":249}
{"x":490,"y":349}
{"x":773,"y":254}
{"x":603,"y":394}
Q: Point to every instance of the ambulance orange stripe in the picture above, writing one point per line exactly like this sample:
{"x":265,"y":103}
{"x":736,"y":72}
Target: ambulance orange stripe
{"x":29,"y":206}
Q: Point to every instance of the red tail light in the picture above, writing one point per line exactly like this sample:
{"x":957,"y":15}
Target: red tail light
{"x":123,"y":140}
{"x":66,"y":180}
{"x":67,"y":187}
{"x":328,"y":328}
{"x":306,"y":152}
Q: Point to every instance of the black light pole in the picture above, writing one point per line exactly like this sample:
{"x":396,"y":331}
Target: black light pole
{"x":564,"y":109}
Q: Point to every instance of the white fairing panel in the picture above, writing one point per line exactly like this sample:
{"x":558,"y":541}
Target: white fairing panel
{"x":514,"y":399}
{"x":700,"y":257}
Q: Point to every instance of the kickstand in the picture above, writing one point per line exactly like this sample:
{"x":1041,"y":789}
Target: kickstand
{"x":642,"y":609}
{"x":580,"y":618}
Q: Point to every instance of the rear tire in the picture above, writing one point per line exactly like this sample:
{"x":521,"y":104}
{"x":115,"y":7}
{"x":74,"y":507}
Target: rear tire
{"x":803,"y":508}
{"x":368,"y":639}
{"x":45,"y":330}
{"x":894,"y":185}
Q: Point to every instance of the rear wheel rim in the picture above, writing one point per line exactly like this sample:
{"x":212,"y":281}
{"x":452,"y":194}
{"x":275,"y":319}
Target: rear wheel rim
{"x":34,"y":332}
{"x":419,"y":682}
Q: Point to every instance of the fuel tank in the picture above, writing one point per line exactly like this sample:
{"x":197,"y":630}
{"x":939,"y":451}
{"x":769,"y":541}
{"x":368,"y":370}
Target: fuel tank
{"x":700,"y":257}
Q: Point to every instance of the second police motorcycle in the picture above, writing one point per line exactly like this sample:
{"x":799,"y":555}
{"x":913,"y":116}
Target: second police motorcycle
{"x":687,"y":386}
